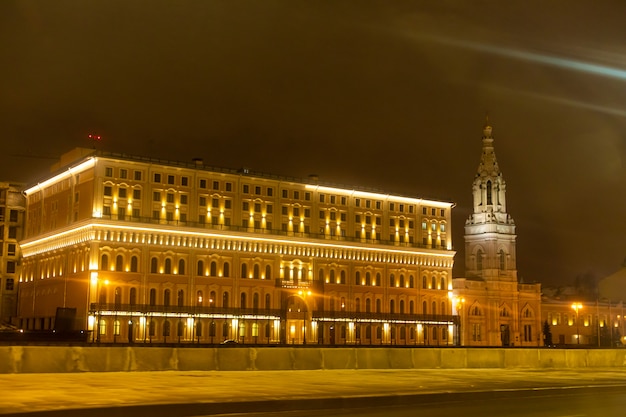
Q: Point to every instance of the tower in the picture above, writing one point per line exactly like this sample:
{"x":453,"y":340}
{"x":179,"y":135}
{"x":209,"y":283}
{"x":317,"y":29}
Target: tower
{"x":489,"y":230}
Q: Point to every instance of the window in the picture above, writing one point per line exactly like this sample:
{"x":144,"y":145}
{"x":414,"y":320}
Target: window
{"x":183,"y":198}
{"x":270,"y":191}
{"x":229,"y":186}
{"x":296,"y":195}
{"x":13,"y":213}
{"x":257,"y":190}
{"x":200,"y":268}
{"x":136,"y":194}
{"x":184,"y":181}
{"x":181,"y":267}
{"x":123,"y":173}
{"x":108,"y":172}
{"x":202,"y":183}
{"x":170,"y":197}
{"x":119,"y":263}
{"x":137,"y":175}
{"x":216,"y":185}
{"x":180,"y":299}
{"x":246,"y":189}
{"x":157,"y":178}
{"x":156,"y":196}
{"x":152,"y":296}
{"x":11,"y":249}
{"x":202,"y":201}
{"x":108,"y":190}
{"x":168,"y":266}
{"x":11,"y":267}
{"x":154,"y":265}
{"x":9,"y":284}
{"x":122,"y":192}
{"x":134,"y":261}
{"x":170,"y":179}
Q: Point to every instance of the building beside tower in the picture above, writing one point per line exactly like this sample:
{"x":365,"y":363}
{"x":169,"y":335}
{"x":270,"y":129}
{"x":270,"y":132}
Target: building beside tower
{"x":141,"y":250}
{"x":494,"y":308}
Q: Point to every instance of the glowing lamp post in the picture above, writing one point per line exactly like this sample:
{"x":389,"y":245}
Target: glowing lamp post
{"x":576,"y":307}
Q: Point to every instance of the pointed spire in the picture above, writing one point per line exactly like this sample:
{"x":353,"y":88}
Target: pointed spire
{"x":488,"y":164}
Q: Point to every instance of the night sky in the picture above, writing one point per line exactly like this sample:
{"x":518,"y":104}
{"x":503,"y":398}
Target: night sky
{"x":391,"y":95}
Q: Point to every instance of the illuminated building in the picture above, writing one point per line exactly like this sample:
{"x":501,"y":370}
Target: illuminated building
{"x":154,"y":251}
{"x":494,"y":308}
{"x":12,"y":203}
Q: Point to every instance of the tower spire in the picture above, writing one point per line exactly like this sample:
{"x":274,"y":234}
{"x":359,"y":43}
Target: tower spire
{"x":490,"y":231}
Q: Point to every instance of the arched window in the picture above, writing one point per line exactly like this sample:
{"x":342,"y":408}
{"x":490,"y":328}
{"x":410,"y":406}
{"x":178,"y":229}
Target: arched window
{"x":392,"y":281}
{"x":181,"y":267}
{"x":152,"y":296}
{"x":168,"y":266}
{"x":424,"y":307}
{"x":180,"y":299}
{"x":442,"y":284}
{"x":332,"y":276}
{"x":213,"y":269}
{"x":392,"y":306}
{"x":256,"y":271}
{"x":255,"y":301}
{"x":225,"y":299}
{"x":357,"y":278}
{"x":342,"y":277}
{"x":268,"y":303}
{"x":411,"y":281}
{"x":226,"y":269}
{"x":489,"y":199}
{"x":151,"y":328}
{"x":119,"y":263}
{"x":200,"y":268}
{"x":320,"y":276}
{"x":103,"y":296}
{"x":433,"y":283}
{"x":424,"y":284}
{"x":368,"y":305}
{"x":479,"y":260}
{"x":118,"y":298}
{"x":166,"y":328}
{"x":401,"y":306}
{"x":154,"y":265}
{"x":502,"y":260}
{"x":268,"y":272}
{"x":212,"y":298}
{"x":134,"y":264}
{"x":378,"y":305}
{"x":434,"y":310}
{"x":443,"y":307}
{"x":378,"y":280}
{"x":357,"y":305}
{"x":244,"y":270}
{"x":368,"y":278}
{"x":243,"y":300}
{"x":167,"y":297}
{"x":411,"y":307}
{"x":402,"y":282}
{"x":343,"y":304}
{"x":104,"y":262}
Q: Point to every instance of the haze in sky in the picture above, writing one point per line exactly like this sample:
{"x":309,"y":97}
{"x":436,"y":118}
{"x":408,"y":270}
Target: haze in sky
{"x":391,"y":95}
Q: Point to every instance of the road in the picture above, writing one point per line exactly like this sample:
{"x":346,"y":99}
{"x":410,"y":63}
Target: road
{"x":366,"y":392}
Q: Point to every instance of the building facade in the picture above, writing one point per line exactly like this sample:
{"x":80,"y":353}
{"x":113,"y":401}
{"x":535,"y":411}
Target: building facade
{"x":12,"y":206}
{"x":140,"y":250}
{"x":494,"y":308}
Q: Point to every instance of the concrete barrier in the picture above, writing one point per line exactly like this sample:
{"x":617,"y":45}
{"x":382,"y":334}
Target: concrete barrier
{"x":58,"y":359}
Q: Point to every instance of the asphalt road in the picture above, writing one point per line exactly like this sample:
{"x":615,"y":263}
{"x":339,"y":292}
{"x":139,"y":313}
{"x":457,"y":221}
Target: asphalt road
{"x":432,"y":392}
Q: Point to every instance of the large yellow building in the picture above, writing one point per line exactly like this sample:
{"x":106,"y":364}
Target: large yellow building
{"x":494,"y":308}
{"x":141,"y":250}
{"x":11,"y":229}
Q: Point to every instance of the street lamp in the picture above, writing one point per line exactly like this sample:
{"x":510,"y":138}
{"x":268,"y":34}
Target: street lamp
{"x":577,"y":307}
{"x":459,"y":308}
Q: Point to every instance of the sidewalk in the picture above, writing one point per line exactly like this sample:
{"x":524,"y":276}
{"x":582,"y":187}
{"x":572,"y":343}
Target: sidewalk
{"x":29,"y":393}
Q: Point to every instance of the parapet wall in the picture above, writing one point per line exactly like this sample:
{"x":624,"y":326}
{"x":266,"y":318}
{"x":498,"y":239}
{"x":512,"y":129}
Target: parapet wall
{"x":57,"y":359}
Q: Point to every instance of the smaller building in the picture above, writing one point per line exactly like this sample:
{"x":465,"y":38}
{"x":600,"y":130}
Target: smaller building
{"x":12,"y":206}
{"x":569,"y":320}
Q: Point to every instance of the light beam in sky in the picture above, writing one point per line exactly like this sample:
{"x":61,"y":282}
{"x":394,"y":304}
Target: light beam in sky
{"x":576,"y":65}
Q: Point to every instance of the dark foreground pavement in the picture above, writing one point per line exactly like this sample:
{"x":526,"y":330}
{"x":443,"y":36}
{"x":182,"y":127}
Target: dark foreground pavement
{"x":175,"y":394}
